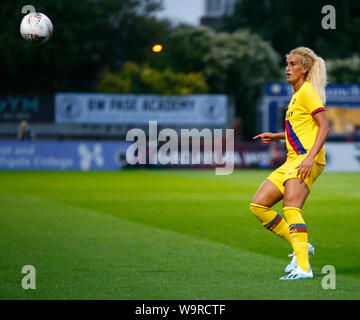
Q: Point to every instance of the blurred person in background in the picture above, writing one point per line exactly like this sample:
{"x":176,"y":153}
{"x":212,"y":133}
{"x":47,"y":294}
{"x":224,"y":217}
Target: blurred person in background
{"x":306,"y":130}
{"x":25,"y":133}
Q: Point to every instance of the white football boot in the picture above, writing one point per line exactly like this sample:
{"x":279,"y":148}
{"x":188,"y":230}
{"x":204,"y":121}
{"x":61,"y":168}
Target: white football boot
{"x":298,"y":274}
{"x":293,"y":264}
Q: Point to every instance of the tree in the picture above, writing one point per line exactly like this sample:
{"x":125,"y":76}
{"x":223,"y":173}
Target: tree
{"x":344,"y":70}
{"x":289,"y":24}
{"x":136,"y":79}
{"x":184,"y":49}
{"x":89,"y":36}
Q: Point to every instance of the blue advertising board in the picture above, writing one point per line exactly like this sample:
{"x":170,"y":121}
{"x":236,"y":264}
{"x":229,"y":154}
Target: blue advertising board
{"x":32,"y":108}
{"x":277,"y":96}
{"x":79,"y":155}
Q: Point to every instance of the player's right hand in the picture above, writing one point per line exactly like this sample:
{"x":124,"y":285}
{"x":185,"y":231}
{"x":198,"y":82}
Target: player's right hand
{"x":265,"y":137}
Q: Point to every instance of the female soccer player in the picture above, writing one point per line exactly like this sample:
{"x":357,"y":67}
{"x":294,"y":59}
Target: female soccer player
{"x":306,"y":129}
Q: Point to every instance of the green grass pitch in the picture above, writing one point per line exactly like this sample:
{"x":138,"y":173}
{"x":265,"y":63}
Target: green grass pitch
{"x":168,"y":234}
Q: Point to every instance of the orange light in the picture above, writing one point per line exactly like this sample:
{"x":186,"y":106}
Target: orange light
{"x":157,"y":48}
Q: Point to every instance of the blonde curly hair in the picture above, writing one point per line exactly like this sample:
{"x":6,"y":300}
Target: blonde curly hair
{"x":317,"y":70}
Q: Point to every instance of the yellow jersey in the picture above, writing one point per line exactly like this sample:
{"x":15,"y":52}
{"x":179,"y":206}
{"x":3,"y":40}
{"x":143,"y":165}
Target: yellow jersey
{"x":300,"y":128}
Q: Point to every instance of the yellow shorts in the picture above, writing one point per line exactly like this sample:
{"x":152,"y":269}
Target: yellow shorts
{"x":287,"y":171}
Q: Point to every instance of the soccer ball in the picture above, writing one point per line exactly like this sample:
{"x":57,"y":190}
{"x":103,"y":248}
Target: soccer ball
{"x":36,"y":27}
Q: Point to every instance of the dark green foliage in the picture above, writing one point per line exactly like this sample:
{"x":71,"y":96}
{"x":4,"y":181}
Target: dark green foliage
{"x":89,"y":36}
{"x":289,"y":24}
{"x":137,"y":79}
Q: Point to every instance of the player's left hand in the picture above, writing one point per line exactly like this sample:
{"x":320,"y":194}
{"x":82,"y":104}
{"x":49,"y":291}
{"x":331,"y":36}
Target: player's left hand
{"x":304,"y":168}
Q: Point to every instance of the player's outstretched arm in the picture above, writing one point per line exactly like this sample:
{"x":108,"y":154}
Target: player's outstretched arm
{"x":267,"y":137}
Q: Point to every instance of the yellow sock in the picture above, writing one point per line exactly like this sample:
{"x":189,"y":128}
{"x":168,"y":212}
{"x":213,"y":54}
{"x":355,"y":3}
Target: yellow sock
{"x":271,"y":220}
{"x":298,"y":235}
